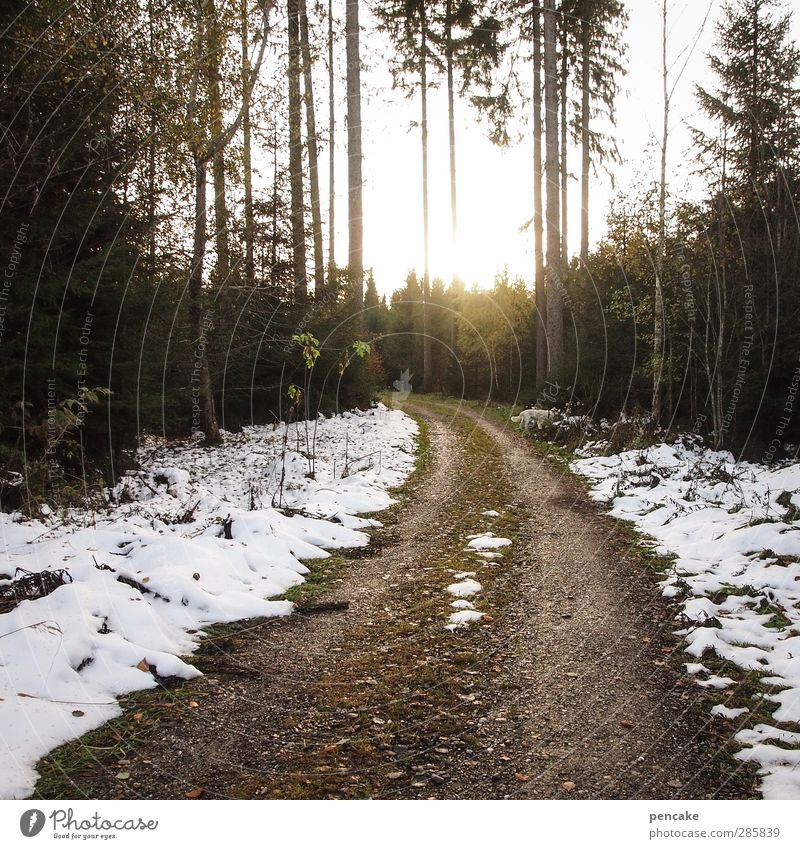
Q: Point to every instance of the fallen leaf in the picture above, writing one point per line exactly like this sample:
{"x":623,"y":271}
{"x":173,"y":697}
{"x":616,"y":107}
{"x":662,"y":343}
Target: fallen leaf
{"x":569,"y":786}
{"x":145,"y":580}
{"x":195,"y":794}
{"x":77,"y":713}
{"x":138,"y":717}
{"x":193,"y":704}
{"x":123,"y":776}
{"x":393,"y":776}
{"x":143,"y":665}
{"x":521,"y":776}
{"x":626,"y":723}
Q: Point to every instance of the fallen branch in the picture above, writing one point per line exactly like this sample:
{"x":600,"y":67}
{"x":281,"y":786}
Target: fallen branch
{"x":136,"y":585}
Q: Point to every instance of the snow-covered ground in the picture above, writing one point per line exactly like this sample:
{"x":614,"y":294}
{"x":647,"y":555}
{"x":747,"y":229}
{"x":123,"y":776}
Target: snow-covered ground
{"x":66,"y":658}
{"x":734,"y":528}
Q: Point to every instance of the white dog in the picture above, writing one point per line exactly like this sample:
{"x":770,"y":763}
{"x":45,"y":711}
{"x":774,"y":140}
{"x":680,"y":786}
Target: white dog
{"x":531,"y":417}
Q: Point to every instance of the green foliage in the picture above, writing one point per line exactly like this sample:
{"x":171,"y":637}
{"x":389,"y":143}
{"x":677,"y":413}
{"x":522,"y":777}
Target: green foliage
{"x":310,"y":346}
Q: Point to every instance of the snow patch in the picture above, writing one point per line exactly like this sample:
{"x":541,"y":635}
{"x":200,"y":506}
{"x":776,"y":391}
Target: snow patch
{"x":734,"y":530}
{"x":149,"y":575}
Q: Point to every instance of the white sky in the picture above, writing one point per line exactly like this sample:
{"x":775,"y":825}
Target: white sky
{"x":496,"y":186}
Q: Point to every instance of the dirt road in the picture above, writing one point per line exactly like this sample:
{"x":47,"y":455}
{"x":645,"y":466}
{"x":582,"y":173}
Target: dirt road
{"x":571,"y":685}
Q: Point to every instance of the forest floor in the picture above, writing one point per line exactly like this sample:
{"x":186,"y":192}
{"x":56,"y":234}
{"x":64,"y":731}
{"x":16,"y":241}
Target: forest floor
{"x":570,"y":686}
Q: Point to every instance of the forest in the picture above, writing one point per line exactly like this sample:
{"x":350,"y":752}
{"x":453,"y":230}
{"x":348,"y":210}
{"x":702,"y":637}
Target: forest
{"x":398,"y":400}
{"x":170,"y":258}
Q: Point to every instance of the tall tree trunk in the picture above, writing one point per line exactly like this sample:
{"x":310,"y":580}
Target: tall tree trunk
{"x":355,"y":216}
{"x":151,"y":203}
{"x":426,"y":278}
{"x":202,"y":393}
{"x":586,"y":46}
{"x":555,"y":322}
{"x":538,"y":216}
{"x":214,"y":49}
{"x":247,"y":165}
{"x":564,"y":140}
{"x":204,"y":61}
{"x":296,"y":155}
{"x":151,"y":167}
{"x":451,"y":120}
{"x":273,"y":255}
{"x":331,"y":153}
{"x":721,"y":293}
{"x":658,"y":296}
{"x":313,"y":169}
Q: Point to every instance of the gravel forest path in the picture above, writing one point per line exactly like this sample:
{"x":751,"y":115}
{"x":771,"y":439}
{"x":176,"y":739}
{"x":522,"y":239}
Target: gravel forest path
{"x":570,"y":686}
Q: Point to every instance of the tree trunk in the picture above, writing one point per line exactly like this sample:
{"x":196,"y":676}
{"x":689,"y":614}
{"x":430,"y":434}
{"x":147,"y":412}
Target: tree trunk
{"x":213,"y":64}
{"x":247,"y":165}
{"x":585,"y":137}
{"x":555,"y":324}
{"x":151,"y":168}
{"x":296,"y":156}
{"x":355,"y":223}
{"x":273,"y":256}
{"x":313,"y":170}
{"x":564,"y":140}
{"x":202,"y":394}
{"x":451,"y":119}
{"x":331,"y":153}
{"x":538,"y":217}
{"x":426,"y":279}
{"x":658,"y":297}
{"x":204,"y":60}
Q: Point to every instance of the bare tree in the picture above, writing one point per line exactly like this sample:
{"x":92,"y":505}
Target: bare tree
{"x":658,"y":295}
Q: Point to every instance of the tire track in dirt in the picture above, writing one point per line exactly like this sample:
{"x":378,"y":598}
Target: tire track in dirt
{"x":600,"y":704}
